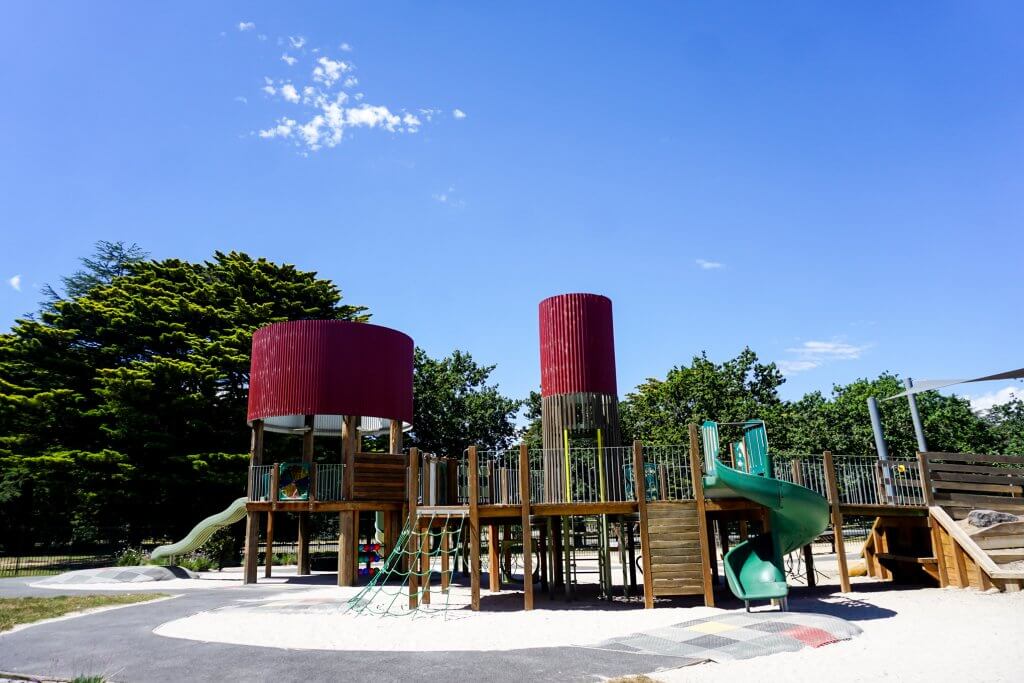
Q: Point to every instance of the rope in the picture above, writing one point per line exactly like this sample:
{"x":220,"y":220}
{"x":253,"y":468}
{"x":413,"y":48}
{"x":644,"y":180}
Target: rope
{"x":409,"y":546}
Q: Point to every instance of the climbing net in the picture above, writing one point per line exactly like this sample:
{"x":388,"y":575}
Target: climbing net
{"x":417,"y":553}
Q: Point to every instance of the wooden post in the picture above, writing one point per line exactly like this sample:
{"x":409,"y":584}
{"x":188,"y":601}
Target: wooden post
{"x":640,"y":490}
{"x":812,"y":580}
{"x":444,"y":558}
{"x":524,"y":494}
{"x":556,"y":554}
{"x":307,"y":457}
{"x":925,"y":479}
{"x":493,"y":557}
{"x":939,"y":551}
{"x":252,"y":546}
{"x":837,"y":521}
{"x":542,"y":555}
{"x":348,"y":522}
{"x":474,"y":530}
{"x":252,"y":522}
{"x":425,"y":560}
{"x":702,"y":520}
{"x":269,"y":560}
{"x":960,"y":564}
{"x":414,"y":526}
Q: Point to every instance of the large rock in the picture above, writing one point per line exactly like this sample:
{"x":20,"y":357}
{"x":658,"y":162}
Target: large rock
{"x":985,"y":518}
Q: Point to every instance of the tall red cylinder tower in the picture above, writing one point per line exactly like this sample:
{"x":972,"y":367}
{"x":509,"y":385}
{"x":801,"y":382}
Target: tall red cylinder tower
{"x":579,"y":396}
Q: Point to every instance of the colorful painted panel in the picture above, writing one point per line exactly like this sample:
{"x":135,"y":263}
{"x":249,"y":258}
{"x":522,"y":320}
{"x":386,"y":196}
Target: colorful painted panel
{"x":293,"y":481}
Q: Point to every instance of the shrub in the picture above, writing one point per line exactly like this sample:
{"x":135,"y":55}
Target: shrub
{"x":196,"y":563}
{"x":130,"y":557}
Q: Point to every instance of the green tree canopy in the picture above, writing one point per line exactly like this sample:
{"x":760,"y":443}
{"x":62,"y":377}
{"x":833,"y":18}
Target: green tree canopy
{"x":456,"y":407}
{"x":126,"y":402}
{"x":660,"y":411}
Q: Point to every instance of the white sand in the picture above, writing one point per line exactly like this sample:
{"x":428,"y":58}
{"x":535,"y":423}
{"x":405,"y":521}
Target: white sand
{"x":318,"y":619}
{"x":934,"y":635}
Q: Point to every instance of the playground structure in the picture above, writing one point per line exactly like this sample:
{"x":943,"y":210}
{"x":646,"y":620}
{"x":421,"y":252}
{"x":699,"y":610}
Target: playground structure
{"x":661,"y":504}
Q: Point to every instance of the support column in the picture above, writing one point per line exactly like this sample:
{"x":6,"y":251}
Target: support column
{"x":348,"y":522}
{"x":702,"y":517}
{"x":494,"y":557}
{"x":303,"y":545}
{"x":640,"y":490}
{"x":524,"y":494}
{"x":252,"y":546}
{"x":414,"y":526}
{"x":474,"y":530}
{"x":837,"y":522}
{"x":269,"y":559}
{"x":252,"y":523}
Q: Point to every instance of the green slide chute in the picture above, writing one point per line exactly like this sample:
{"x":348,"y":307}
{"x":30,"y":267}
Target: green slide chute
{"x":201,"y":533}
{"x":754,"y":568}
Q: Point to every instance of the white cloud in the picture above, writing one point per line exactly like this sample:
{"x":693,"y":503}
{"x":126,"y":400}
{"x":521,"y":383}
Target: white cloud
{"x":813,"y":354}
{"x":709,"y":265}
{"x":448,"y":197}
{"x":791,"y":367}
{"x":328,"y":70}
{"x":243,"y":100}
{"x":269,"y":89}
{"x":351,"y":82}
{"x":262,"y":36}
{"x":246,"y":26}
{"x":458,"y":113}
{"x":283,"y":129}
{"x":345,"y":47}
{"x":981,"y":403}
{"x":297,"y":41}
{"x":289,"y":93}
{"x":15,"y":283}
{"x":288,"y":59}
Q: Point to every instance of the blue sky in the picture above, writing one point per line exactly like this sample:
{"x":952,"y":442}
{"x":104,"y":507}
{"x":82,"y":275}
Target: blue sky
{"x":839,"y":188}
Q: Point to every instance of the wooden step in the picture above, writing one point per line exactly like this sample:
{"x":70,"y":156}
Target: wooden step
{"x":1006,"y":555}
{"x":994,"y":542}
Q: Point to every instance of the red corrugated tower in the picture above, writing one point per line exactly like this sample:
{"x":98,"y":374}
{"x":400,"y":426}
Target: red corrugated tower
{"x":579,"y":397}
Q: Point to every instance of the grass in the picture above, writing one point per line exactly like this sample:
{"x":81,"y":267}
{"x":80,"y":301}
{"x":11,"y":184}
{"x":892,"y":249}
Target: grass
{"x":15,"y":611}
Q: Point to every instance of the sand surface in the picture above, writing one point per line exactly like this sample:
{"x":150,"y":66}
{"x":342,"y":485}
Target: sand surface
{"x":927,"y":634}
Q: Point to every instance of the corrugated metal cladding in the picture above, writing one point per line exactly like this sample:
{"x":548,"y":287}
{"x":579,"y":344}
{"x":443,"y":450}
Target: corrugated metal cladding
{"x":577,"y":345}
{"x":330,"y":367}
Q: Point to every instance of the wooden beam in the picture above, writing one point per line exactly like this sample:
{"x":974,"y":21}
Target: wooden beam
{"x":640,"y":491}
{"x":445,"y":538}
{"x":837,"y":522}
{"x":697,"y":474}
{"x":474,"y":530}
{"x":524,"y":494}
{"x":938,"y":551}
{"x":425,"y":565}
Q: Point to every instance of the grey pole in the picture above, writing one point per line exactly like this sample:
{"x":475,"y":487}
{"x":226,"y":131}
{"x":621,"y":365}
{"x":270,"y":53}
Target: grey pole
{"x":883,"y":450}
{"x":915,"y":415}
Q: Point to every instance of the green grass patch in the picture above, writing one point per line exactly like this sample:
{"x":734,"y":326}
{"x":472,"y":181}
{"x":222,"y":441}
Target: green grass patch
{"x":26,"y":610}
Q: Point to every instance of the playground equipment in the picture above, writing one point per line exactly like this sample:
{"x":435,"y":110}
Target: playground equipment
{"x":202,"y":532}
{"x":754,"y":568}
{"x":316,"y":379}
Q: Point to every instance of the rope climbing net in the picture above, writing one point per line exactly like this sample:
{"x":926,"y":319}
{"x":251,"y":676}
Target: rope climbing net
{"x":418,"y":554}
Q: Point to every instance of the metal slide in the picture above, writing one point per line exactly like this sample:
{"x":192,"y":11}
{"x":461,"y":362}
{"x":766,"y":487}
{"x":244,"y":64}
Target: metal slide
{"x":201,"y":533}
{"x":754,"y":568}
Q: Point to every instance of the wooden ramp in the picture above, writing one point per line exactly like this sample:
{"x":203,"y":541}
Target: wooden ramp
{"x":977,"y":560}
{"x":677,"y":562}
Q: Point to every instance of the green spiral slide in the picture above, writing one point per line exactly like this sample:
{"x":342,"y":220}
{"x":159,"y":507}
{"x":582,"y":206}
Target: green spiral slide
{"x":754,"y":568}
{"x":201,"y":532}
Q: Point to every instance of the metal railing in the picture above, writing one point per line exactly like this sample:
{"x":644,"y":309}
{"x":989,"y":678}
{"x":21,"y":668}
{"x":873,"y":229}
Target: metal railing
{"x":259,"y":482}
{"x":860,"y":479}
{"x":672,"y":477}
{"x":328,"y":482}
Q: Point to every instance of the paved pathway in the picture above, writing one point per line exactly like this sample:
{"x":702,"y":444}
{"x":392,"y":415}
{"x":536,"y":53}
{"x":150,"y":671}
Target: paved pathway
{"x":120,"y":644}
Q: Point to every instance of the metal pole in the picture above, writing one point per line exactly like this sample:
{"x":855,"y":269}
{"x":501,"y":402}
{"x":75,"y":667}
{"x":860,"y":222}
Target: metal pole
{"x":915,"y":415}
{"x":883,"y":451}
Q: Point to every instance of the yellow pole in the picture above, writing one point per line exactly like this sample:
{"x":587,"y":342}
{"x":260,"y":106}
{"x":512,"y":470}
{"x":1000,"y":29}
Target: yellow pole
{"x":600,"y":463}
{"x":568,"y":488}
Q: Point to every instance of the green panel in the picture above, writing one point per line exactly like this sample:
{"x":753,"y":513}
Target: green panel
{"x":293,"y":480}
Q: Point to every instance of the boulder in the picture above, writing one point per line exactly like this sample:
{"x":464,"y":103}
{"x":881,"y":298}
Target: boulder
{"x":986,"y":518}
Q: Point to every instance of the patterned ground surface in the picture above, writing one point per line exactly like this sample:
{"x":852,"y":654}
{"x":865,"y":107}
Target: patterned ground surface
{"x":737,"y":635}
{"x":118,"y":575}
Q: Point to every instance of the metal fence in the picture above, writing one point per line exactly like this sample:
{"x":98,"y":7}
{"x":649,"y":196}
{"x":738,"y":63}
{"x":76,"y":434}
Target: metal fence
{"x":672,"y":474}
{"x":328,"y":481}
{"x":56,"y":562}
